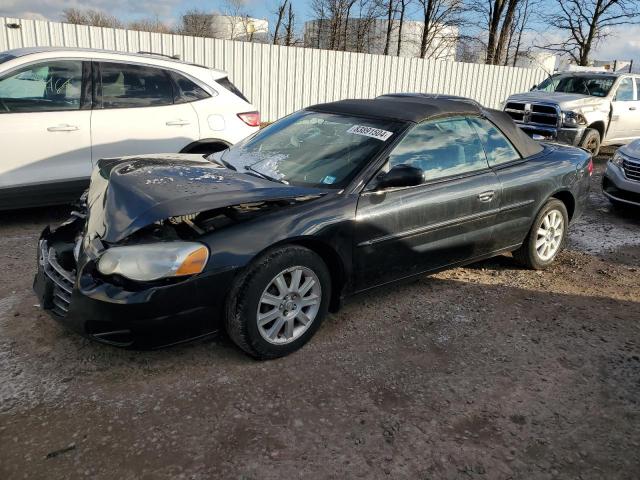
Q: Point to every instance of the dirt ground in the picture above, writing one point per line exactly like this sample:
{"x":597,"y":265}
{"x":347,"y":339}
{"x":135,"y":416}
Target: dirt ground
{"x":489,"y":371}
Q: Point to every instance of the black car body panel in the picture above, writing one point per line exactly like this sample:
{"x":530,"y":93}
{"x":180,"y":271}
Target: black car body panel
{"x":367,"y":237}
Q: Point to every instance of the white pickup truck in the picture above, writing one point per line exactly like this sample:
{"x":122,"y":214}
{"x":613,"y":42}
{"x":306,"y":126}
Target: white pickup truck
{"x":583,"y":109}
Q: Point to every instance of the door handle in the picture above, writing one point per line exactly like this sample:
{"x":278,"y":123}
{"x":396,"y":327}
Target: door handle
{"x":632,"y":108}
{"x":486,"y":196}
{"x":63,"y":128}
{"x":178,"y":123}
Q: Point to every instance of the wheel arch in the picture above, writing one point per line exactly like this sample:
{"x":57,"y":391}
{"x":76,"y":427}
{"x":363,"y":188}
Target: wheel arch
{"x":566,"y":197}
{"x":332,"y":259}
{"x":600,"y":127}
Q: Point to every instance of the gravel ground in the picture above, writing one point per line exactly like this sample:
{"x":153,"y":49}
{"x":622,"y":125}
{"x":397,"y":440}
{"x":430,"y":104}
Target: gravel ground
{"x":489,"y":371}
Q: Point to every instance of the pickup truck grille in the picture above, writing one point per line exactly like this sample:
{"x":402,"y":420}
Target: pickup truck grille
{"x":534,"y":114}
{"x":631,"y":169}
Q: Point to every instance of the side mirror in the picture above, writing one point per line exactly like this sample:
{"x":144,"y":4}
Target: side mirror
{"x":400,"y":176}
{"x":533,"y":88}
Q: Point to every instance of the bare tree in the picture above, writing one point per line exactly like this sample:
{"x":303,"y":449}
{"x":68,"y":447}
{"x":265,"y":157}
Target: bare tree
{"x":403,"y":8}
{"x":150,"y":25}
{"x":441,"y":19}
{"x":196,"y":23}
{"x":95,"y":18}
{"x":500,"y":15}
{"x":237,"y":17}
{"x":515,"y":46}
{"x":289,"y":27}
{"x":505,"y":32}
{"x":390,"y":16}
{"x":584,"y":23}
{"x":280,"y":16}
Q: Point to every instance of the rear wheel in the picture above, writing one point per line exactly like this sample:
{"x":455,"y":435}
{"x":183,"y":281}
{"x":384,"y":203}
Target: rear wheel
{"x":546,"y":237}
{"x":277,"y":305}
{"x":591,"y":141}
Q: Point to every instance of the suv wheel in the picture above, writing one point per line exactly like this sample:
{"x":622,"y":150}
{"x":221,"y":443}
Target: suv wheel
{"x":277,"y":305}
{"x":546,"y":237}
{"x":591,"y":141}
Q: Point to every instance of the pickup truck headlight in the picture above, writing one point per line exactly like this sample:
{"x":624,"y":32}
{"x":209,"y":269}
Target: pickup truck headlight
{"x":573,"y":119}
{"x":153,"y":261}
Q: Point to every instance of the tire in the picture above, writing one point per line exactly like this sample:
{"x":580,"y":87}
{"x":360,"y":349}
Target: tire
{"x":536,"y":257}
{"x":591,"y":141}
{"x":258,"y":283}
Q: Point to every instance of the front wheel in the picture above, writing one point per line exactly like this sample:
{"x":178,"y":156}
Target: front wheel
{"x":546,"y":237}
{"x":591,"y":141}
{"x":277,"y":305}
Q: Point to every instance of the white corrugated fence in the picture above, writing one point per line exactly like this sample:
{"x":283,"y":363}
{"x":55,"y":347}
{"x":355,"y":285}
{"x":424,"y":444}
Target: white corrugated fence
{"x":280,"y":80}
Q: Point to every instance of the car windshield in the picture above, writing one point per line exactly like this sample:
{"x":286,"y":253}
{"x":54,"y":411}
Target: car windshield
{"x":311,"y":148}
{"x":594,"y":85}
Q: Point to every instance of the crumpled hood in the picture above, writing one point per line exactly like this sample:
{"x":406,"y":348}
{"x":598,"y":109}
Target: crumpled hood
{"x":129,"y":193}
{"x":565,"y":100}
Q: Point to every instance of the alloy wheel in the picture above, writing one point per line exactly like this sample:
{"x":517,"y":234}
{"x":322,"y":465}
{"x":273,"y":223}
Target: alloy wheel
{"x":289,"y":305}
{"x":549,"y":235}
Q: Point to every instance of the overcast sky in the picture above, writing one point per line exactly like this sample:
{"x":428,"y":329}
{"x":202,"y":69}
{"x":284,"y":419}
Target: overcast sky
{"x":622,"y":44}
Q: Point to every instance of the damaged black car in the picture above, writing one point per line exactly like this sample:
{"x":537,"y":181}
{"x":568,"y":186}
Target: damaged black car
{"x":265,"y":238}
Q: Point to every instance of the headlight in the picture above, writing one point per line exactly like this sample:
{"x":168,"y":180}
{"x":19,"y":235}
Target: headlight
{"x":155,"y":260}
{"x":573,"y":119}
{"x":617,"y":159}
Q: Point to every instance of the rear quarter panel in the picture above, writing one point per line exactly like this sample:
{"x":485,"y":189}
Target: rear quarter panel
{"x":527,"y":185}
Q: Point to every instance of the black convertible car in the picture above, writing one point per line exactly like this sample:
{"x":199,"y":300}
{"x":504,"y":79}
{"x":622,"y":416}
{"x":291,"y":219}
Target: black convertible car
{"x":267,"y":236}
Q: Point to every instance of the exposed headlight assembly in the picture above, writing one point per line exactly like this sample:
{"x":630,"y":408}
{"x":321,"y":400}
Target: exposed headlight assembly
{"x":153,"y":261}
{"x":573,"y":119}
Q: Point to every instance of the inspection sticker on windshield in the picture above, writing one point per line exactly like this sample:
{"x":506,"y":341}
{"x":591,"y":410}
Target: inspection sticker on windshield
{"x":370,"y":132}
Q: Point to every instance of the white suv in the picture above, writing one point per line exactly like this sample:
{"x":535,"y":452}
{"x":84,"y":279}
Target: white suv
{"x":61,"y":110}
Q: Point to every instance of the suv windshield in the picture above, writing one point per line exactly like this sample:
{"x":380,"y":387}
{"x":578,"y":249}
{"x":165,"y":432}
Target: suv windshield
{"x":312,"y":149}
{"x":594,"y":85}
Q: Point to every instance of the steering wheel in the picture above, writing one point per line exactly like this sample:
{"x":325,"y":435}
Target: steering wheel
{"x":307,"y":134}
{"x":4,"y":105}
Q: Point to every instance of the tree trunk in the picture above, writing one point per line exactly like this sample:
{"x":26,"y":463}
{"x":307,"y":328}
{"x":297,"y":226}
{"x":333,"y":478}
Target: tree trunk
{"x":505,"y":32}
{"x":402,"y":9}
{"x":585,"y":48}
{"x":427,"y":8}
{"x":288,"y":39}
{"x":279,"y":21}
{"x":494,"y":23}
{"x":389,"y":28}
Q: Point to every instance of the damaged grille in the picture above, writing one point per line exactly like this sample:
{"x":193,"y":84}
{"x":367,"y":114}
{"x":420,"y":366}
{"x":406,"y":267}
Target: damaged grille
{"x":631,"y":169}
{"x":63,"y":280}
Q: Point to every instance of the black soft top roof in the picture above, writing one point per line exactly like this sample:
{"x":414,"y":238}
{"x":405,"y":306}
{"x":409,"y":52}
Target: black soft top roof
{"x":405,"y":109}
{"x":418,"y":109}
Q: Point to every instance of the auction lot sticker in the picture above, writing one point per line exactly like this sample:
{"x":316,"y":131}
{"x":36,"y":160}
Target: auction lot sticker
{"x":370,"y":132}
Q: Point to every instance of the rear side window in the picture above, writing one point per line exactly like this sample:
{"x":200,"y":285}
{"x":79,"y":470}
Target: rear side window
{"x":226,"y":83}
{"x":441,"y":148}
{"x":186,"y":90}
{"x":42,"y":87}
{"x":134,"y":86}
{"x":497,"y":147}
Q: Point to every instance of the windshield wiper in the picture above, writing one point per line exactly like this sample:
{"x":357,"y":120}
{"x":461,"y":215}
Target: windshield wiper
{"x":262,"y":175}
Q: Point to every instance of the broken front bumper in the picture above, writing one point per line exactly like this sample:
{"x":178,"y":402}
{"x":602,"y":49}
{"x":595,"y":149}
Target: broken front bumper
{"x":148,"y":317}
